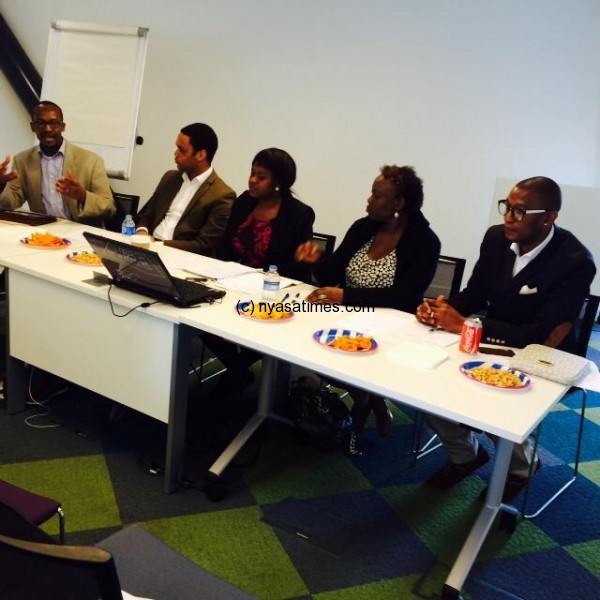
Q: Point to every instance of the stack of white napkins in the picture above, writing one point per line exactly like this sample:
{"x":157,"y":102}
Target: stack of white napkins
{"x":417,"y":354}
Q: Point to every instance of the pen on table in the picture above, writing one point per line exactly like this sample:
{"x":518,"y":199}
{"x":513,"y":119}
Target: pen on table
{"x":295,"y":299}
{"x":199,"y":277}
{"x":285,"y":298}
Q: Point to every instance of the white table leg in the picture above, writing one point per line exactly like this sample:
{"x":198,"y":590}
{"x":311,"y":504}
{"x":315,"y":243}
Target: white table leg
{"x":265,"y":399}
{"x":178,"y":401}
{"x":481,"y":527}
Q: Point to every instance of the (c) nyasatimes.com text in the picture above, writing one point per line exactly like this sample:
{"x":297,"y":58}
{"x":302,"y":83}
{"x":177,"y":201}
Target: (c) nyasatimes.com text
{"x":249,"y":307}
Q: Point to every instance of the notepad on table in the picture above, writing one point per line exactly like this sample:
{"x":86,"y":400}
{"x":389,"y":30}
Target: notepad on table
{"x":417,"y":354}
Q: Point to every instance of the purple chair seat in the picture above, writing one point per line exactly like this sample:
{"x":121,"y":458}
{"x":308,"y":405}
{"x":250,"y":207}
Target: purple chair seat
{"x":35,"y":508}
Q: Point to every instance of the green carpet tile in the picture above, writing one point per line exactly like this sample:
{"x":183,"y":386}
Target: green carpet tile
{"x":299,"y":522}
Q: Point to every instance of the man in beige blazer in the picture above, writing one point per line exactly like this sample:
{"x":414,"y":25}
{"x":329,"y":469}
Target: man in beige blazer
{"x":56,"y":177}
{"x":190,"y":206}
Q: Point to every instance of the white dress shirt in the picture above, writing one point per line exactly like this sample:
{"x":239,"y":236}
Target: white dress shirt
{"x":166,"y":228}
{"x":523,"y":260}
{"x":52,"y":169}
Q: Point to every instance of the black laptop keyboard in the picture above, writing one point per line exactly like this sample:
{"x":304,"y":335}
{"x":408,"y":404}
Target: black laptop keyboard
{"x":190,"y":290}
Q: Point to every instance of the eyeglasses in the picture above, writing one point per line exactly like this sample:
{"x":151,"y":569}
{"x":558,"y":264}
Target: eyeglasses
{"x":41,"y":124}
{"x":518,"y":214}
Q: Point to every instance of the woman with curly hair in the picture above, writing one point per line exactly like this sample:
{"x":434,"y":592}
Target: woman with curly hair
{"x":386,"y":259}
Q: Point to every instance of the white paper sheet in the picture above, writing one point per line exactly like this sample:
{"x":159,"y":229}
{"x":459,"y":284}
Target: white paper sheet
{"x":416,"y":331}
{"x":590,"y":379}
{"x":250,"y":283}
{"x":417,"y":354}
{"x":378,"y":323}
{"x":202,"y":265}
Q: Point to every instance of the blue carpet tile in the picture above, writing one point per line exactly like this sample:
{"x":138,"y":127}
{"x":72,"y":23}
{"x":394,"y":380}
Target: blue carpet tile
{"x":371,"y":529}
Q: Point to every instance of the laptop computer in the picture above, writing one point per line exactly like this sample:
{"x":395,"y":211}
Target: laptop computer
{"x":26,"y":217}
{"x":142,"y":271}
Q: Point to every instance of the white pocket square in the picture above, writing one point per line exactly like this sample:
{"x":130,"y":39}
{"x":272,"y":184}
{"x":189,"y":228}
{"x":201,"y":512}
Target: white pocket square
{"x":526,"y":291}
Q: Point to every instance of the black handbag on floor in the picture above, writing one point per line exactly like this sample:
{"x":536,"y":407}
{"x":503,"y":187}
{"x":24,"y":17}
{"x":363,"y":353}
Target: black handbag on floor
{"x":321,"y":418}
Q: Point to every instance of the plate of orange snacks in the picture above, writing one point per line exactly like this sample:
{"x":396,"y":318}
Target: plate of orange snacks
{"x":345,"y":340}
{"x":43,"y":239}
{"x":267,"y":312}
{"x":84,"y":258}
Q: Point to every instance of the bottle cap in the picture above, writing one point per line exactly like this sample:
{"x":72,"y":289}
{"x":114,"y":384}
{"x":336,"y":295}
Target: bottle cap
{"x":272,"y":267}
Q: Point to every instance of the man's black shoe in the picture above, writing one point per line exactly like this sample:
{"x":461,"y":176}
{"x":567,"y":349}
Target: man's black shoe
{"x":451,"y":474}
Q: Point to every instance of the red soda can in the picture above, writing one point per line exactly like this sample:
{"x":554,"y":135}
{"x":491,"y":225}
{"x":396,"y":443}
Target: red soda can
{"x":470,"y":336}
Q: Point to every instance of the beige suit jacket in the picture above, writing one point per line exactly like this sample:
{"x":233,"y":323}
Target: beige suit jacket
{"x":86,"y":167}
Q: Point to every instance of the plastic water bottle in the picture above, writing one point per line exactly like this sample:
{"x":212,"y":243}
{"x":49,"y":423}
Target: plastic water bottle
{"x":128,"y":228}
{"x":271,"y":284}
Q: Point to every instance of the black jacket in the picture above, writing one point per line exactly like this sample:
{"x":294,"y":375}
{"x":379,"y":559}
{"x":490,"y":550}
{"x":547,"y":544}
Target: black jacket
{"x":524,"y":309}
{"x":417,"y":254}
{"x":292,"y":226}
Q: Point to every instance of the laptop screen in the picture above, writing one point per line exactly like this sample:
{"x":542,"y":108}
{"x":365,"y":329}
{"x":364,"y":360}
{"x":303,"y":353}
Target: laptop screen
{"x":130,"y":264}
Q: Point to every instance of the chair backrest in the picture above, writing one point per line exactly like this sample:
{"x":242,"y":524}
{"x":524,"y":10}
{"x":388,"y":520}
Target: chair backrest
{"x":34,"y":570}
{"x":585,"y":323}
{"x":126,"y":204}
{"x":325,"y":242}
{"x":448,"y":277}
{"x":35,"y":567}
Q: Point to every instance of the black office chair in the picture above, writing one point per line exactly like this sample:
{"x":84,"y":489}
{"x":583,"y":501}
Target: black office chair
{"x":446,"y":282}
{"x":585,"y":324}
{"x":448,"y":277}
{"x":325,"y":242}
{"x":35,"y":508}
{"x":126,"y":204}
{"x":583,"y":331}
{"x":34,"y":566}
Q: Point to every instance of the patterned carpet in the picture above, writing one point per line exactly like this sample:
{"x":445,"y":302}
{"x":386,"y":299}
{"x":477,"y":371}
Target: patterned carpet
{"x":299,"y":522}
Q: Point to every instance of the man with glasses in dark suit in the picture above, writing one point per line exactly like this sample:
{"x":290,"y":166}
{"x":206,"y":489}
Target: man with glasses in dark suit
{"x":57,"y":177}
{"x":531,"y":280}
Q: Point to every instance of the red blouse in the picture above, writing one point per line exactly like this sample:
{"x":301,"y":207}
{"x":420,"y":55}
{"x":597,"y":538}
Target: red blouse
{"x":250,"y":242}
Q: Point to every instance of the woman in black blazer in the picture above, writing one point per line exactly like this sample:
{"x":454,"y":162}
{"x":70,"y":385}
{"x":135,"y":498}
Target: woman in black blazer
{"x":386,"y":259}
{"x":266,"y":225}
{"x":267,"y":222}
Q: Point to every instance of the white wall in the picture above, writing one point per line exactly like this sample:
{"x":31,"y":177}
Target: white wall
{"x":465,"y":91}
{"x":16,"y":134}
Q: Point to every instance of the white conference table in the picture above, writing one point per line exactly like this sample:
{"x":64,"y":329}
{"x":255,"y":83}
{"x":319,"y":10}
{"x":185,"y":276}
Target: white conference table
{"x":62,"y":324}
{"x":443,"y":391}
